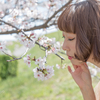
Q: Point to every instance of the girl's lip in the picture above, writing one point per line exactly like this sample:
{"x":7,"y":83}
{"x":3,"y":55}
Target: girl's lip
{"x":69,"y":57}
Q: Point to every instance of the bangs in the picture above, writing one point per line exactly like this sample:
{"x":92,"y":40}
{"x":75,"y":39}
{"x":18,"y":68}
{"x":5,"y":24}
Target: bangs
{"x":67,"y":20}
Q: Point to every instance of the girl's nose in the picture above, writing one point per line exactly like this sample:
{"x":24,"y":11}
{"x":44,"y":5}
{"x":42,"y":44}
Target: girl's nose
{"x":65,"y":47}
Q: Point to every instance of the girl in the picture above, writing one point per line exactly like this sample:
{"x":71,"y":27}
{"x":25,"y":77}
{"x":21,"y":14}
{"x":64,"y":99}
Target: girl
{"x":80,"y":24}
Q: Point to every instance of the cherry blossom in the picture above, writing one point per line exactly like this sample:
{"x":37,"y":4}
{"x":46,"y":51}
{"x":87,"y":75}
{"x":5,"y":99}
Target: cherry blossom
{"x":29,"y":43}
{"x":64,"y":66}
{"x":34,"y":36}
{"x":58,"y":66}
{"x":93,"y":71}
{"x":45,"y":40}
{"x":2,"y":46}
{"x":50,"y":72}
{"x":41,"y":62}
{"x":39,"y":75}
{"x":25,"y":40}
{"x":27,"y":60}
{"x":57,"y":46}
{"x":1,"y":13}
{"x":54,"y":46}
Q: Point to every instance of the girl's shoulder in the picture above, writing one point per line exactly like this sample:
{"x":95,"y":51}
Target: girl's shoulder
{"x":97,"y":91}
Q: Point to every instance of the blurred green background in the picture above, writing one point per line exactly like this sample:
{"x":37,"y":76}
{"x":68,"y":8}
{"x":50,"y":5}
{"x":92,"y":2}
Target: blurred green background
{"x":25,"y":87}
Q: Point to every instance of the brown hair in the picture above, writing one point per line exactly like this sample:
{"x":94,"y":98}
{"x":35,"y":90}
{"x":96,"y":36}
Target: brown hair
{"x":83,"y":19}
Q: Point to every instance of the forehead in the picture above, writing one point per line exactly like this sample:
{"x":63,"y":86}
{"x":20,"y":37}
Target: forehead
{"x":69,"y":34}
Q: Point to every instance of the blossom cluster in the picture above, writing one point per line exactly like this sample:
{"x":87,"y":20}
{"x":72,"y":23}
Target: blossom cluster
{"x":93,"y":71}
{"x":27,"y":60}
{"x":28,"y":42}
{"x":41,"y":72}
{"x":2,"y":46}
{"x":53,"y":46}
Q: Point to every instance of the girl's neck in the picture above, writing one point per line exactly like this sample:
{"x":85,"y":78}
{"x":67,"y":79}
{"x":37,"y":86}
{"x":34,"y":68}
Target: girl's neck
{"x":94,"y":62}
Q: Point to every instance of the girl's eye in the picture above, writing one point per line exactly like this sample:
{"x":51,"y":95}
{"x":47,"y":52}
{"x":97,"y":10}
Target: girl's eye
{"x":71,"y":39}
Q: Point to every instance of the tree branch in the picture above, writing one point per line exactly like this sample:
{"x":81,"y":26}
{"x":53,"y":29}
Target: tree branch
{"x":33,"y":28}
{"x":58,"y":11}
{"x":14,"y":57}
{"x":45,"y":25}
{"x":28,"y":38}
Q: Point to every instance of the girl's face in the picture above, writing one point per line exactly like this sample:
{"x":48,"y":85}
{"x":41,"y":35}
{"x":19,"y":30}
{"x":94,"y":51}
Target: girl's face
{"x":69,"y":46}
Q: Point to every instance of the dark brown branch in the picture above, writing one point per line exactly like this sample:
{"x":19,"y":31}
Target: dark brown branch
{"x":29,"y":39}
{"x":33,"y":28}
{"x":9,"y":24}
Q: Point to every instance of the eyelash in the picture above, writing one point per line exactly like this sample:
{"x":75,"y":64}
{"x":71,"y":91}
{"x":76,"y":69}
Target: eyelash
{"x":68,"y":39}
{"x":71,"y":39}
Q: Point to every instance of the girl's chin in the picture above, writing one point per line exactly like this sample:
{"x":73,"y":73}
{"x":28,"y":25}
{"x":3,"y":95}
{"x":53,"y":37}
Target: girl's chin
{"x":76,"y":62}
